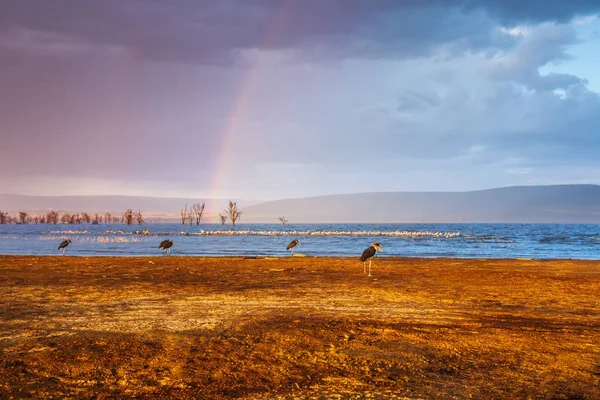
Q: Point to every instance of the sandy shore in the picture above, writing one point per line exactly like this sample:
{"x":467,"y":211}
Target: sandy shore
{"x":172,"y":327}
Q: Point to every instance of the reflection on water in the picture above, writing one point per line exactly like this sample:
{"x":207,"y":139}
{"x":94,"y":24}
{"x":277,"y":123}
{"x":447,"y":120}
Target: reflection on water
{"x":426,"y":240}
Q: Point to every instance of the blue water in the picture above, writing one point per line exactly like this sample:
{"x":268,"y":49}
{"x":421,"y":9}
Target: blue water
{"x":579,"y":241}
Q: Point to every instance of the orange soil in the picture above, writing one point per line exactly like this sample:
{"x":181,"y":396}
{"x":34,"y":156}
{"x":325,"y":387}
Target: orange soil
{"x":298,"y":327}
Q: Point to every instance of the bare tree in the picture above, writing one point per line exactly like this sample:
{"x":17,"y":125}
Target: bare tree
{"x":223,"y":219}
{"x":65,"y":218}
{"x":22,"y":217}
{"x":232,"y":212}
{"x":4,"y":218}
{"x":52,"y":217}
{"x":283,"y":220}
{"x":138,"y":217}
{"x":198,"y":210}
{"x":128,"y":216}
{"x":184,"y":214}
{"x":111,"y":218}
{"x":97,"y":219}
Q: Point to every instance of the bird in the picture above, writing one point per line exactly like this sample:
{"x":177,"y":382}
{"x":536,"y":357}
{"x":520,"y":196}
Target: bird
{"x":63,"y":245}
{"x":368,"y":253}
{"x":292,"y":244}
{"x":165,"y":245}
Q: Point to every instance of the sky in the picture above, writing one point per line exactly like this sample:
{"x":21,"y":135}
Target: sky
{"x":270,"y":99}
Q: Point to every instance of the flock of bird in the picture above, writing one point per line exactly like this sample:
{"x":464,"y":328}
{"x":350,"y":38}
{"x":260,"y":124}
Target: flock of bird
{"x":412,"y":234}
{"x":166,"y":245}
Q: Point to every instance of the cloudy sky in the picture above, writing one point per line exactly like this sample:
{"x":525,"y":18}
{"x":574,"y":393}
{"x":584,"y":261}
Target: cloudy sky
{"x":267,"y":99}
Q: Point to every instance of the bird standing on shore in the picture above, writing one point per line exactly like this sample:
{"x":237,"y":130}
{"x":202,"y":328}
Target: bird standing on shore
{"x":63,"y":245}
{"x":368,"y":253}
{"x":165,"y":245}
{"x":292,"y":245}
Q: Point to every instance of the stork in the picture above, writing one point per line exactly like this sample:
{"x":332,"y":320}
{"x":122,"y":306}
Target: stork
{"x":292,"y":244}
{"x":63,"y":245}
{"x":165,"y":245}
{"x":368,"y":253}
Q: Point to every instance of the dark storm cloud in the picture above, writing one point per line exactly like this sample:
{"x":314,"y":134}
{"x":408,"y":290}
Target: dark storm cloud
{"x":209,"y":31}
{"x":523,"y":11}
{"x":83,"y":97}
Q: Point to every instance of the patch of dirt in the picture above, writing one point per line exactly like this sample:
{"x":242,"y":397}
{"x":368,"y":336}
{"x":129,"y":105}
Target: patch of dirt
{"x":298,"y":328}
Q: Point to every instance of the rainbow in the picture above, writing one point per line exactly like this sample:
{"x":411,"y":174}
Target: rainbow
{"x":231,"y":129}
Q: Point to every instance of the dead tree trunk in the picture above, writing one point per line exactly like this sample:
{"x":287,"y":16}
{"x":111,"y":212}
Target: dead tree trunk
{"x":128,"y":217}
{"x":198,"y":211}
{"x":232,"y":212}
{"x":184,"y":214}
{"x":138,"y":217}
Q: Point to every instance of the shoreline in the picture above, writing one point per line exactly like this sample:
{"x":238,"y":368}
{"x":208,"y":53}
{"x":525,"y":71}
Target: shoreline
{"x":297,"y":256}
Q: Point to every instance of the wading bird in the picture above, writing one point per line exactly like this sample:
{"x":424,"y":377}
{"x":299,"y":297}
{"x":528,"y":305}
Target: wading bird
{"x":63,"y":245}
{"x":165,"y":245}
{"x":292,"y":244}
{"x":368,"y":253}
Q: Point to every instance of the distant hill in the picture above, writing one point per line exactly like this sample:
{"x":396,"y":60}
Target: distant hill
{"x":556,"y":203}
{"x":155,"y":207}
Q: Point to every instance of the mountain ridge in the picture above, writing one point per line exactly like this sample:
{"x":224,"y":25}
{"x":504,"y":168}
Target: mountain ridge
{"x":526,"y":204}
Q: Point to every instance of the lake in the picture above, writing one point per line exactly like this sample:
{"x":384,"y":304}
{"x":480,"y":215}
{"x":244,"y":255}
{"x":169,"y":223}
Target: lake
{"x":581,"y":241}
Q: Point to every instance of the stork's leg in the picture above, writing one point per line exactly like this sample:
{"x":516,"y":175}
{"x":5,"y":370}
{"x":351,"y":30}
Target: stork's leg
{"x":64,"y":250}
{"x":292,"y":251}
{"x":369,"y":267}
{"x":364,"y":267}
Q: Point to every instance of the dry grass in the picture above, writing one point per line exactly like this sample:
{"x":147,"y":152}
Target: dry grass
{"x":171,"y":327}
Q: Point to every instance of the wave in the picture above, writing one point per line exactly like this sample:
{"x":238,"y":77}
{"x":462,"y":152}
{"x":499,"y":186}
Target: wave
{"x":575,"y":239}
{"x":555,"y":239}
{"x":488,"y":239}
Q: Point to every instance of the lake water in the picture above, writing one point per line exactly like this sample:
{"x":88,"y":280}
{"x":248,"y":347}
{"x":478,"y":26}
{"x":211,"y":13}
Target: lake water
{"x":580,"y":241}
